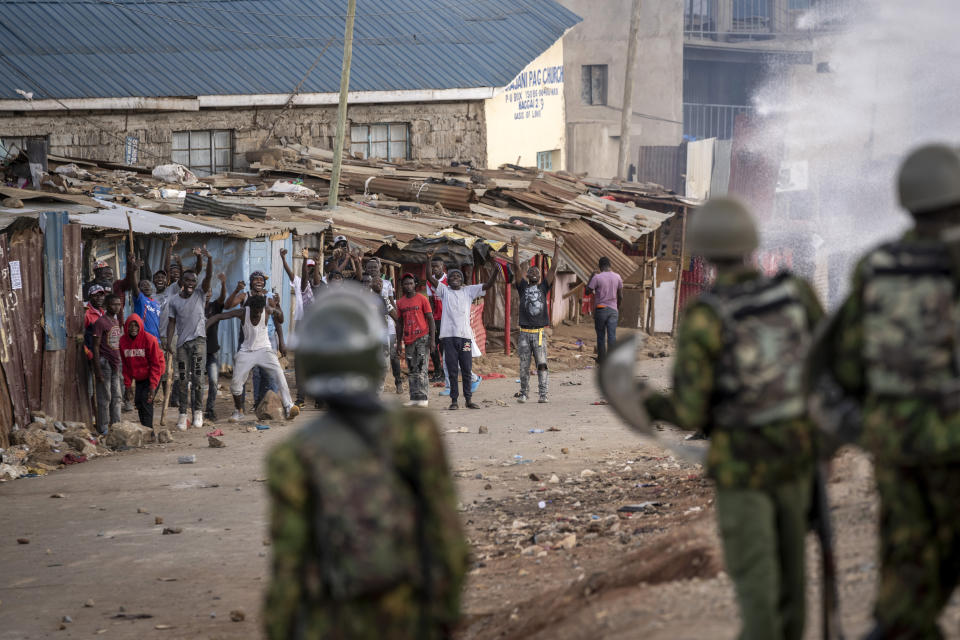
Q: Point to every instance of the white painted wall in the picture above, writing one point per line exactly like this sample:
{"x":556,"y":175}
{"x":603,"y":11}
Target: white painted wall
{"x":527,"y":116}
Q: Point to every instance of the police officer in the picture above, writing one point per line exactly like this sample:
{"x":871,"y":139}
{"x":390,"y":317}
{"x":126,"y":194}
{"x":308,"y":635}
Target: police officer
{"x":893,"y":347}
{"x":366,"y":538}
{"x":738,"y":378}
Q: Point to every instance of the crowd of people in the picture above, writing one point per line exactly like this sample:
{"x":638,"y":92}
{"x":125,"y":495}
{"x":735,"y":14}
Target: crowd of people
{"x":163,"y":344}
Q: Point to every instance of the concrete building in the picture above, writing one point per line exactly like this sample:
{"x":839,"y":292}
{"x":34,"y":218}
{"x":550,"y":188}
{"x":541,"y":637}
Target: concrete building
{"x":150,"y":83}
{"x":594,"y":54}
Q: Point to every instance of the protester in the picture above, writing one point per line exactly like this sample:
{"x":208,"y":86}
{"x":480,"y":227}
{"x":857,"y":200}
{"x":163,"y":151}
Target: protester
{"x":607,"y":287}
{"x":379,"y":480}
{"x":102,"y":276}
{"x":455,"y":332}
{"x":261,"y":379}
{"x":373,"y":267}
{"x":438,"y":270}
{"x":213,"y":348}
{"x":143,"y":363}
{"x":254,"y":351}
{"x":534,"y":317}
{"x":107,"y":364}
{"x":187,"y":320}
{"x":167,"y":281}
{"x":303,"y":287}
{"x":344,"y":260}
{"x":375,"y":286}
{"x":144,"y":304}
{"x":417,"y":331}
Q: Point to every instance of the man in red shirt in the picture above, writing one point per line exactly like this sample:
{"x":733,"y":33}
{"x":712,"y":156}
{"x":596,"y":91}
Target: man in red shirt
{"x":107,"y":364}
{"x":417,"y":330}
{"x":144,"y":363}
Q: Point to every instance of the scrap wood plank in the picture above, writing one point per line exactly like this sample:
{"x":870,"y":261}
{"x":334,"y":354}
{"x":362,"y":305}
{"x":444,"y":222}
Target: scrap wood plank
{"x":10,"y":357}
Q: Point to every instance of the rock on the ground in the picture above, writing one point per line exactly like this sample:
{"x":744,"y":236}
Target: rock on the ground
{"x":164,"y":436}
{"x":81,"y":445}
{"x":237,"y":615}
{"x":128,"y":434}
{"x":271,"y":407}
{"x":33,"y":439}
{"x":215,"y":443}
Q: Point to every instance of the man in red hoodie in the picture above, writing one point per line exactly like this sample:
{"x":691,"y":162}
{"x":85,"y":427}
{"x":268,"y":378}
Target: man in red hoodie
{"x":142,"y":361}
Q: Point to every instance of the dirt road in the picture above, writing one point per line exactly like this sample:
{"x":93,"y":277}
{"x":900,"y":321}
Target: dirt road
{"x":552,"y":556}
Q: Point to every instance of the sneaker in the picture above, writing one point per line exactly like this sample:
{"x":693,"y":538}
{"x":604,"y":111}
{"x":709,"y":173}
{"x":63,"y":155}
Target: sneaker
{"x":543,"y":399}
{"x":474,"y":385}
{"x":300,"y":403}
{"x":445,"y":392}
{"x":210,"y":414}
{"x":521,"y":398}
{"x":293,"y":412}
{"x":197,"y":419}
{"x":453,"y":406}
{"x":410,"y":403}
{"x":473,"y":405}
{"x":423,"y":404}
{"x":182,"y":422}
{"x":237,"y":416}
{"x":399,"y":386}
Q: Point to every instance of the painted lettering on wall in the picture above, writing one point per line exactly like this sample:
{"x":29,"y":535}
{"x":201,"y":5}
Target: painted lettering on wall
{"x":530,"y":91}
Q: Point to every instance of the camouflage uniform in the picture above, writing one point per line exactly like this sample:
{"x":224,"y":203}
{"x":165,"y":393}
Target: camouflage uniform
{"x":360,"y":551}
{"x":894,"y":336}
{"x":762,"y":461}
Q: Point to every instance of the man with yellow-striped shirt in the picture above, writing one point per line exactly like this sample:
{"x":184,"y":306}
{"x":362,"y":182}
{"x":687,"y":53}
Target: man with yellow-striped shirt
{"x":534,"y":318}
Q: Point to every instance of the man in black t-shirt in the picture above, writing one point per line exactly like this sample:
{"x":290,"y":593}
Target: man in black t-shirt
{"x":534,"y":313}
{"x":213,"y":347}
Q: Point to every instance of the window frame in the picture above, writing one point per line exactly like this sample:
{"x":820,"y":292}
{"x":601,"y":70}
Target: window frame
{"x":390,"y":141}
{"x":589,"y":73}
{"x":203,"y":170}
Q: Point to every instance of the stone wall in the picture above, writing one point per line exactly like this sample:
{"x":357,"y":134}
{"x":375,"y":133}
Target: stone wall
{"x":442,"y":132}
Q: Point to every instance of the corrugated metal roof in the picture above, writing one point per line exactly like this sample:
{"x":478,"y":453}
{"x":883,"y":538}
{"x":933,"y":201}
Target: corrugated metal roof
{"x":583,"y":247}
{"x":165,"y":48}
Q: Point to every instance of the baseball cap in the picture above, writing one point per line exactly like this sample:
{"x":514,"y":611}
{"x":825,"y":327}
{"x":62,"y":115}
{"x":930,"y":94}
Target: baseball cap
{"x":311,"y":262}
{"x":101,"y":265}
{"x":95,"y":289}
{"x":337,"y":239}
{"x":260,"y":274}
{"x":408,"y":275}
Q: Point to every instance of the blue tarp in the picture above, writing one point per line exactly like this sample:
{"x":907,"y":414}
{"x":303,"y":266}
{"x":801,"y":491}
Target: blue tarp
{"x":54,"y":315}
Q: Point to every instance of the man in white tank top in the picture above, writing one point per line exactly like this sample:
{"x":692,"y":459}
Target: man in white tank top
{"x":255,"y":351}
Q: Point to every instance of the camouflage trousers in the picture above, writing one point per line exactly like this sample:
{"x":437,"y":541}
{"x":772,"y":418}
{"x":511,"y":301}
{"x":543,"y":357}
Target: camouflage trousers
{"x":417,"y":361}
{"x":919,"y":547}
{"x":764,"y":533}
{"x":532,"y":346}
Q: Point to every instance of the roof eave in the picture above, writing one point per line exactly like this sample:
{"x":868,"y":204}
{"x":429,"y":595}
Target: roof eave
{"x":247,"y":100}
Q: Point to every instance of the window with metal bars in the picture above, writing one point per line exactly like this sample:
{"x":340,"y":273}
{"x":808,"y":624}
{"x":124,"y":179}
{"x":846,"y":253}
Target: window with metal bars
{"x":204,"y":152}
{"x":594,"y":88}
{"x":387,"y":141}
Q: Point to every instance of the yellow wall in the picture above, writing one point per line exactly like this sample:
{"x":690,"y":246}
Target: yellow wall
{"x":527,"y":116}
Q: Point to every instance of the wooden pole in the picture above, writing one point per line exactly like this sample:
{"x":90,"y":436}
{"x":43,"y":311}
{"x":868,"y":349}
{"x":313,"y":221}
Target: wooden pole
{"x":342,"y":108}
{"x":676,"y":292}
{"x":626,"y":113}
{"x":506,"y":315}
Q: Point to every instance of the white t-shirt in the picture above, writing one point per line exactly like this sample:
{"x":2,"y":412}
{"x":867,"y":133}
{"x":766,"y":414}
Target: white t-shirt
{"x":456,"y":310}
{"x":302,"y":298}
{"x":387,"y":293}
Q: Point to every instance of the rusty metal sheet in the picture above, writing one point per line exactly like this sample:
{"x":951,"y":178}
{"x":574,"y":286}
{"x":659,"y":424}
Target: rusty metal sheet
{"x":26,"y":248}
{"x":584,"y":246}
{"x":10,"y":344}
{"x":65,"y":390}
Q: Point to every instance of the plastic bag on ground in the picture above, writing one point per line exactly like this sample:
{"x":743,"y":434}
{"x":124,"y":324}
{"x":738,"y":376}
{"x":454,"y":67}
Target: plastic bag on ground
{"x":175,"y":174}
{"x":281,"y":186}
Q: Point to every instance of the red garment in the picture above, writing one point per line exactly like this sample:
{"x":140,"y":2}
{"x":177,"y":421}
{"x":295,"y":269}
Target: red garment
{"x":437,"y":304}
{"x":90,"y":317}
{"x":413,"y":313}
{"x":142,"y":356}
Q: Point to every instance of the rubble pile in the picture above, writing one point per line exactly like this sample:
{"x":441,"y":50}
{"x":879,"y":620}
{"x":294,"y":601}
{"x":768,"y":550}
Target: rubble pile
{"x":559,"y":511}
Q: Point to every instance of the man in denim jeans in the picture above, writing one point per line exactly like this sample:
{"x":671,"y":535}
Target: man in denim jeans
{"x":607,"y":287}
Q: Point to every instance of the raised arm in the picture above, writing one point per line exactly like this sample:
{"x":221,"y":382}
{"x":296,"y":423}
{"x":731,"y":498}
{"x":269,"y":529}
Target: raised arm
{"x":495,"y":272}
{"x":226,"y":315}
{"x":208,"y":275}
{"x":286,"y":267}
{"x":169,"y":253}
{"x":551,"y":275}
{"x":430,"y":277}
{"x":222,"y":277}
{"x":237,"y":297}
{"x":199,"y":251}
{"x":133,"y":275}
{"x":517,"y":276}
